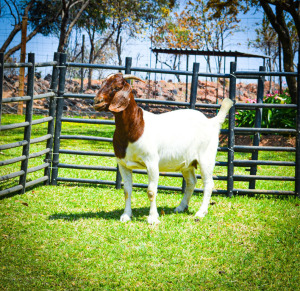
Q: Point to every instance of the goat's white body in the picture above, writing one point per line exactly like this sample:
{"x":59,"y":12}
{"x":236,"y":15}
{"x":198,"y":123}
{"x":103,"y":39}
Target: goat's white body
{"x":174,"y":141}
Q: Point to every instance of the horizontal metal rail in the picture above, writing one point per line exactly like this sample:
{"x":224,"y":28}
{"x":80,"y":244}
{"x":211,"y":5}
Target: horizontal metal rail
{"x":86,"y":167}
{"x":264,"y":105}
{"x":11,"y":190}
{"x":12,"y":175}
{"x":264,"y":130}
{"x":83,"y":137}
{"x":42,"y":120}
{"x":61,"y":179}
{"x":17,"y":65}
{"x":13,"y":145}
{"x":13,"y":125}
{"x":46,"y":64}
{"x":87,"y":153}
{"x":266,"y":192}
{"x":15,"y":99}
{"x":265,"y":178}
{"x":12,"y":161}
{"x":91,"y":121}
{"x":40,"y":139}
{"x":37,"y":168}
{"x":38,"y":154}
{"x":24,"y":124}
{"x":82,"y":96}
{"x":45,"y":95}
{"x":246,"y":163}
{"x":261,"y":148}
{"x":262,"y":73}
{"x":94,"y":66}
{"x":37,"y":181}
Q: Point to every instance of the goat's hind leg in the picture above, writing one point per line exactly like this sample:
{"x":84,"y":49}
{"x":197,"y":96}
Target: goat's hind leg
{"x":206,"y":173}
{"x":191,"y":180}
{"x":127,"y":178}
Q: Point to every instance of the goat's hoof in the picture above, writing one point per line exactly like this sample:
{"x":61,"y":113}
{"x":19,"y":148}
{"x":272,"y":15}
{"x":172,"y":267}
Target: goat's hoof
{"x":201,"y":214}
{"x":153,"y":219}
{"x":125,"y":217}
{"x":181,"y":209}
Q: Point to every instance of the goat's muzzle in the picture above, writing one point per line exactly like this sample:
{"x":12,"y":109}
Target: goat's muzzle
{"x":100,"y":105}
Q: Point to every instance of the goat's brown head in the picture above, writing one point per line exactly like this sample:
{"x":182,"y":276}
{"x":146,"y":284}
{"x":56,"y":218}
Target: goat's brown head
{"x":115,"y":93}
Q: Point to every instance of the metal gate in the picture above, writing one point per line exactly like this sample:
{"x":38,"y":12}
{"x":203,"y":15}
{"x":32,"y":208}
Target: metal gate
{"x":60,"y":66}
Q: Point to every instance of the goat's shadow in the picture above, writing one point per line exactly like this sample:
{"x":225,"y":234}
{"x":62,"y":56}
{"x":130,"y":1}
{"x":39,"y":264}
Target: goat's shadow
{"x":109,"y":215}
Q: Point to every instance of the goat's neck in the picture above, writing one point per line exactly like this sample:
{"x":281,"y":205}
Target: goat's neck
{"x":129,"y":128}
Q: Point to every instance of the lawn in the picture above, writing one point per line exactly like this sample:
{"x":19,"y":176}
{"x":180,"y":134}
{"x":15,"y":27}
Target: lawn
{"x":70,"y":236}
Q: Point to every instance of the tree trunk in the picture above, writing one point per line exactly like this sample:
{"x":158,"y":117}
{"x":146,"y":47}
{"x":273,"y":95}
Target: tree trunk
{"x":279,"y":24}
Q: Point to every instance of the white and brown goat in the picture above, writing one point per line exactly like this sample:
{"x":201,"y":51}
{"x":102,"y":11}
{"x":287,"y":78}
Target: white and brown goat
{"x":173,"y":141}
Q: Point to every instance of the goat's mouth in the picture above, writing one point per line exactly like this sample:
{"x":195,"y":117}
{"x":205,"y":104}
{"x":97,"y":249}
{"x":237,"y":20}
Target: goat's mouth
{"x":100,"y":106}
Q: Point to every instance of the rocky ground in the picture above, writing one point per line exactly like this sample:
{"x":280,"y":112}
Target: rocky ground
{"x":207,"y":92}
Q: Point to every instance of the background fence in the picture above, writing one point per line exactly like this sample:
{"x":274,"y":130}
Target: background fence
{"x":60,"y":66}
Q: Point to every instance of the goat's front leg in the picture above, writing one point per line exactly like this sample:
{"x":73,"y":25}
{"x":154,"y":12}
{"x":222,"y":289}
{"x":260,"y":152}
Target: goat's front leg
{"x":127,"y":178}
{"x":153,"y":175}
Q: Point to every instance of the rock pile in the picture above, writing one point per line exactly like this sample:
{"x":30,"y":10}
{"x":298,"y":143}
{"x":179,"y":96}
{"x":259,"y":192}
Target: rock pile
{"x":207,"y":92}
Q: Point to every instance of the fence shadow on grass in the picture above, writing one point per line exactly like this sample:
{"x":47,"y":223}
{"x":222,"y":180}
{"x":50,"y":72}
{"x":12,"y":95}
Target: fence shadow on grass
{"x":108,"y":215}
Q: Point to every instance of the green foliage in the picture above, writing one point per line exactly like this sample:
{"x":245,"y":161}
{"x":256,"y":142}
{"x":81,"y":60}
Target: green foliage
{"x":271,"y":118}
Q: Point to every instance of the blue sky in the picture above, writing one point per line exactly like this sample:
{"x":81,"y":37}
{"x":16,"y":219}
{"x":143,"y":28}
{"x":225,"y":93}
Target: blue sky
{"x":139,"y":49}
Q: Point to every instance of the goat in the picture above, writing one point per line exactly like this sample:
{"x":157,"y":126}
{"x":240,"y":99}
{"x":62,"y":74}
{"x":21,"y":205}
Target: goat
{"x":173,"y":141}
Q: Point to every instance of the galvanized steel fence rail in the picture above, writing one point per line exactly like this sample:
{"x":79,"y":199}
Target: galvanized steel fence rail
{"x":27,"y":127}
{"x":232,"y":131}
{"x":57,"y":97}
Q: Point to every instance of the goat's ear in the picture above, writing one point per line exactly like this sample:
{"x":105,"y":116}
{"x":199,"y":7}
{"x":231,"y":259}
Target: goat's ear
{"x":121,"y":99}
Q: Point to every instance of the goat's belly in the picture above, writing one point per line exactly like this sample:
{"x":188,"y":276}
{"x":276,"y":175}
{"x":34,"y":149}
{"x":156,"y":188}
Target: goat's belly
{"x":166,"y":165}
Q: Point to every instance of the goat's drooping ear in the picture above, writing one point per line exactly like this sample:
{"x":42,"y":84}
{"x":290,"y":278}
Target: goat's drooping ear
{"x":121,"y":99}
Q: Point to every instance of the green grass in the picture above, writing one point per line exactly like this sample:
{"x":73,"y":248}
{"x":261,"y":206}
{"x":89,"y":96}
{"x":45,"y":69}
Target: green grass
{"x":70,"y":237}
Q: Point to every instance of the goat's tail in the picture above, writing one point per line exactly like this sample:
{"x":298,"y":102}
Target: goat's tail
{"x":225,"y":107}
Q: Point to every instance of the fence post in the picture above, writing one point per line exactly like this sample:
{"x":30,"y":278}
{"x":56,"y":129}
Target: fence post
{"x":297,"y":170}
{"x":1,"y":81}
{"x":128,"y":64}
{"x":59,"y":112}
{"x":257,"y":123}
{"x":194,"y":85}
{"x":232,"y":93}
{"x":193,"y":99}
{"x":52,"y":109}
{"x":28,"y":118}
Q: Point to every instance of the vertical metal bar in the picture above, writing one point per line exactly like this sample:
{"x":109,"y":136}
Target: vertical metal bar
{"x":82,"y":60}
{"x":1,"y":81}
{"x":187,"y":78}
{"x":257,"y":123}
{"x":231,"y":140}
{"x":59,"y":112}
{"x":28,"y":118}
{"x":22,"y":60}
{"x":128,"y":64}
{"x":52,"y":108}
{"x":280,"y":69}
{"x":194,"y":85}
{"x":297,"y":170}
{"x":193,"y":98}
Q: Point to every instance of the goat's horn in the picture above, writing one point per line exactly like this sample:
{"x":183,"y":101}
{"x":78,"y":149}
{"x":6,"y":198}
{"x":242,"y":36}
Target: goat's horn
{"x":127,"y":76}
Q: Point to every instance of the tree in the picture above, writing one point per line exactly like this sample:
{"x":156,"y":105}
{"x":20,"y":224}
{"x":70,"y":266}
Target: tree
{"x":132,"y":17}
{"x":18,"y":9}
{"x":194,"y":28}
{"x":64,"y":13}
{"x":279,"y":13}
